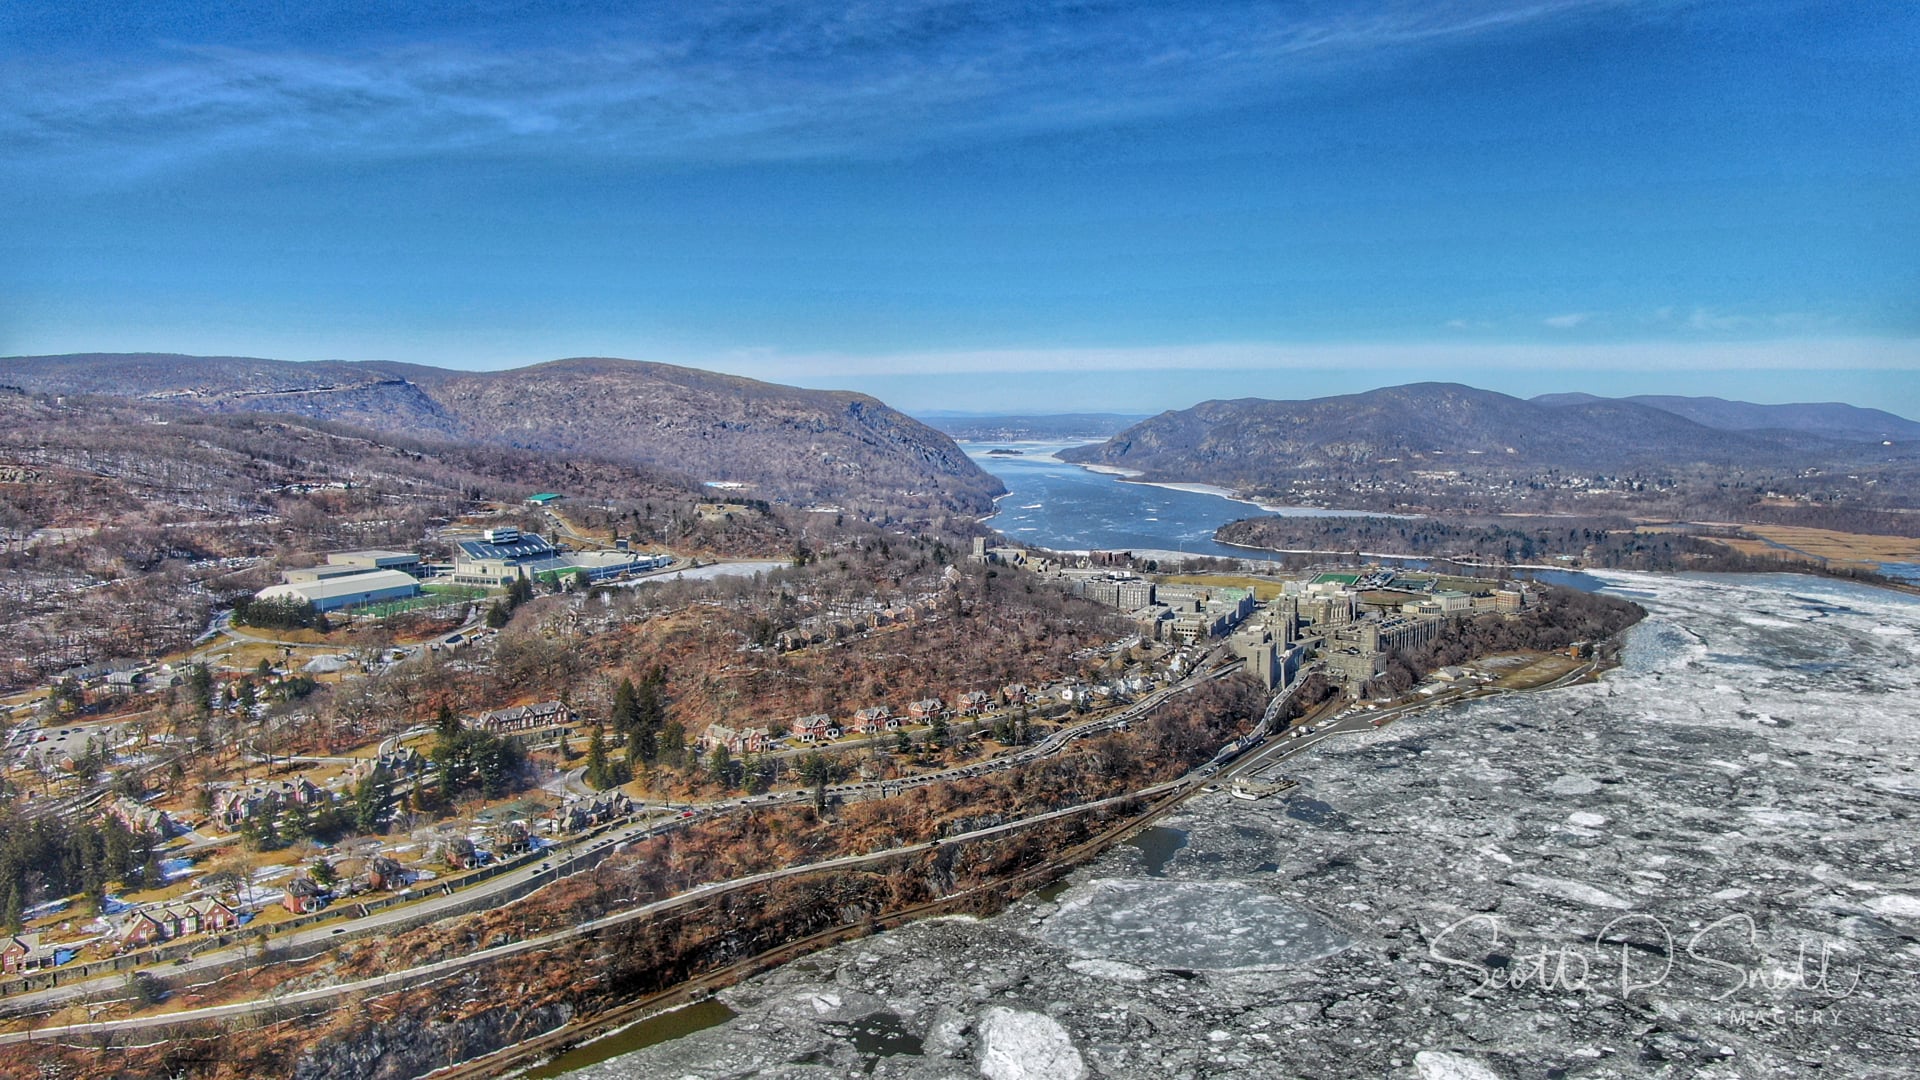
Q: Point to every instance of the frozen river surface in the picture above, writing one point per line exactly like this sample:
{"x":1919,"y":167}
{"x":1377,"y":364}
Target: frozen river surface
{"x":1703,"y":866}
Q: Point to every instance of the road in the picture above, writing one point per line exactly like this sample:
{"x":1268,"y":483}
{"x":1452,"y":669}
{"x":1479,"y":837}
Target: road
{"x":374,"y":923}
{"x":1275,"y":750}
{"x":427,"y":973}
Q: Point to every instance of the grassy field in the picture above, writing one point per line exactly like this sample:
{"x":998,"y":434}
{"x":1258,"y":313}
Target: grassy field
{"x":1761,"y":549}
{"x":1542,"y":670}
{"x":1838,"y":547}
{"x":1263,"y":589}
{"x":429,"y":600}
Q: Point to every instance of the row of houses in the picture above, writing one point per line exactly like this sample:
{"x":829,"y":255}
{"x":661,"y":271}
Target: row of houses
{"x":245,"y":802}
{"x":399,"y":764}
{"x":872,"y":720}
{"x":542,"y":714}
{"x":819,"y":631}
{"x":502,"y":840}
{"x":153,"y":925}
{"x":381,"y":874}
{"x":140,"y":817}
{"x":586,"y":812}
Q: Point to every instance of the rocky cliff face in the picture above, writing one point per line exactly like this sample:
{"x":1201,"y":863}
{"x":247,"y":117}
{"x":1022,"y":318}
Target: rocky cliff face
{"x":781,"y":442}
{"x":408,"y":1047}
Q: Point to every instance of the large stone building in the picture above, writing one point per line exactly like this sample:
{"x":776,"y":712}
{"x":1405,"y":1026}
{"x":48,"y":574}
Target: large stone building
{"x":542,"y":714}
{"x":503,"y":554}
{"x":499,"y":556}
{"x":1123,"y":591}
{"x":331,"y":588}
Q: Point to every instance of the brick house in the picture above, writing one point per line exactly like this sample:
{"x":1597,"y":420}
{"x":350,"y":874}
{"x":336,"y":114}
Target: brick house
{"x":815,"y":728}
{"x":217,"y":917}
{"x":753,"y":740}
{"x":384,"y":873}
{"x":508,"y":838}
{"x":304,"y":895}
{"x":576,"y":814}
{"x":149,"y":928}
{"x":24,"y":952}
{"x":926,"y":709}
{"x":242,"y":803}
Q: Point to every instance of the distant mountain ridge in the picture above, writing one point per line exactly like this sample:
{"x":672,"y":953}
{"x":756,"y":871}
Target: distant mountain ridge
{"x":1039,"y":428}
{"x":1829,"y":419}
{"x":1240,"y":441}
{"x":786,"y":442}
{"x":1448,"y":446}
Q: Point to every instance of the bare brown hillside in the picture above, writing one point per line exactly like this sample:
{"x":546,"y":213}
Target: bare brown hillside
{"x":785,"y":443}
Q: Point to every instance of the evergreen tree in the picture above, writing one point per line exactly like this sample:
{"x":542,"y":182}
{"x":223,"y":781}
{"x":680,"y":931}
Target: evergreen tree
{"x":626,"y":707}
{"x":370,"y":800}
{"x":519,"y":592}
{"x":296,"y":822}
{"x":673,"y":743}
{"x":200,"y":687}
{"x":817,"y":769}
{"x":598,"y":776}
{"x":636,"y":764}
{"x":267,"y":835}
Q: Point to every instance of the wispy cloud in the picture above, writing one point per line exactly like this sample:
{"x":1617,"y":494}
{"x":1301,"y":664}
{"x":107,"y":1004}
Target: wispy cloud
{"x":1714,"y":321}
{"x":717,"y":81}
{"x":1890,"y":354}
{"x":1567,"y":321}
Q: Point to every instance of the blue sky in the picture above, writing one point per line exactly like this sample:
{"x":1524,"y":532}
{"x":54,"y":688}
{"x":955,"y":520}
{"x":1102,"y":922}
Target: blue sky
{"x":979,"y":206}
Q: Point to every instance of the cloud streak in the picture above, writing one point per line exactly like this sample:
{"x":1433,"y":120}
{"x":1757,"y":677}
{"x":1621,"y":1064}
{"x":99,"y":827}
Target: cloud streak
{"x":1851,"y":354}
{"x":715,"y":82}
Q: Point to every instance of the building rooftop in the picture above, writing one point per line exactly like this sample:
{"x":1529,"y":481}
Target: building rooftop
{"x":344,"y":585}
{"x":524,"y":546}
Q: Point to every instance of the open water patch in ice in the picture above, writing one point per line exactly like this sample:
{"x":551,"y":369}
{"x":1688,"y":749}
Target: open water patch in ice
{"x":1189,"y":925}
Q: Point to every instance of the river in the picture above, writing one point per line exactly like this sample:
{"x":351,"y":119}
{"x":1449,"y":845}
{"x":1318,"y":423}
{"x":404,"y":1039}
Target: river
{"x":1748,"y":762}
{"x":1053,"y":504}
{"x":1700,"y":865}
{"x":1064,"y":507}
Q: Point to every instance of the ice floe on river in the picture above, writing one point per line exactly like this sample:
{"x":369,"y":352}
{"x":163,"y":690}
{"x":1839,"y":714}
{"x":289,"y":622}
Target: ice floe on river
{"x":1703,"y":865}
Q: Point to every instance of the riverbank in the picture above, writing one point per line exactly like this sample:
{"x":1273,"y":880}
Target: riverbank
{"x":1398,"y":913}
{"x":1066,"y":506}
